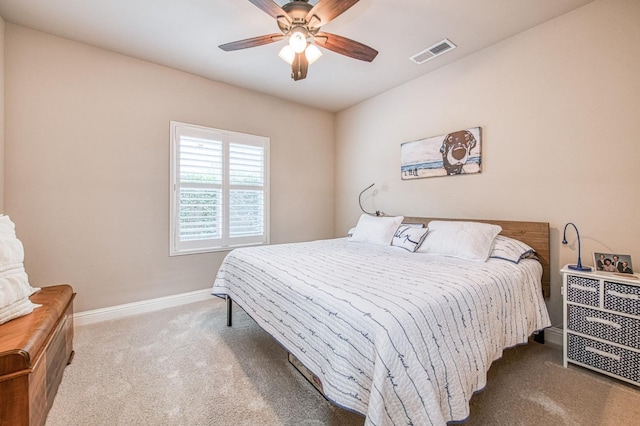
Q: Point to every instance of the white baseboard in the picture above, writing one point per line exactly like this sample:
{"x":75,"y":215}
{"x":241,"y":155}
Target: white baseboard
{"x":553,"y":336}
{"x":120,"y":311}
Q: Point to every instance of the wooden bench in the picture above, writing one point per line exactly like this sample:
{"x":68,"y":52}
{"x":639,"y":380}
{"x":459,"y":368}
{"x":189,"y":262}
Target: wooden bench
{"x":34,"y":350}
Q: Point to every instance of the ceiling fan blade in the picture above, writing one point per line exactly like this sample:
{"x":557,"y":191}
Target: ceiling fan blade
{"x":326,"y":10}
{"x":346,"y":46}
{"x":251,"y":42}
{"x":272,"y":8}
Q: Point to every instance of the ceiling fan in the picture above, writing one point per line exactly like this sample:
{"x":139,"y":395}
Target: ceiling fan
{"x":301,"y":23}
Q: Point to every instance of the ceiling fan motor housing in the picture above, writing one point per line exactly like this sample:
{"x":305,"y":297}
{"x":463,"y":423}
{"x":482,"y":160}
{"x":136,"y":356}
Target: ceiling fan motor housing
{"x":297,"y":11}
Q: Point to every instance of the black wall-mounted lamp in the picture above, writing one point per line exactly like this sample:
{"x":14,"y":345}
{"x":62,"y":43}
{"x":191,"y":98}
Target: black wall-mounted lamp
{"x":378,"y":212}
{"x":579,"y":266}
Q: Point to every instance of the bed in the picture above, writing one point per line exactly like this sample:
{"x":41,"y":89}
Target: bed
{"x":397,"y":336}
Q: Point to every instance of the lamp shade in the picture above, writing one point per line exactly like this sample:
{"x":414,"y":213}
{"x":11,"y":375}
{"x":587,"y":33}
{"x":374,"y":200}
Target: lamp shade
{"x":287,"y":54}
{"x":298,"y":40}
{"x":312,"y":53}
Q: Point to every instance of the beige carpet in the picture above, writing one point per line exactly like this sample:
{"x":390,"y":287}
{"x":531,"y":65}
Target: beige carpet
{"x":183,"y":366}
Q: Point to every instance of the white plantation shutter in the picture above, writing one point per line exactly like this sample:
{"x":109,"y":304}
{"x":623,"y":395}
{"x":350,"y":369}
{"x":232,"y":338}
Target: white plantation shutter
{"x":246,"y":190}
{"x":219,"y":191}
{"x":200,"y":183}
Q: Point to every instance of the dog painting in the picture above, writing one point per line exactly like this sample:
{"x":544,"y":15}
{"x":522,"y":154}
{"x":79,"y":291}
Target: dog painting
{"x":455,"y":153}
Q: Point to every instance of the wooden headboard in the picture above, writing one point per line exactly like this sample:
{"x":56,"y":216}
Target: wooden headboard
{"x":535,"y":234}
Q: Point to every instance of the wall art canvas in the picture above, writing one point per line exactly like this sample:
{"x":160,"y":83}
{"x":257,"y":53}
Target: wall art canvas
{"x":455,"y":153}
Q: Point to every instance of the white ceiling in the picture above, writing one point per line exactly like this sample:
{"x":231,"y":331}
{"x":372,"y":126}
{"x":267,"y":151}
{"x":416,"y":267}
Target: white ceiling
{"x":185,"y":34}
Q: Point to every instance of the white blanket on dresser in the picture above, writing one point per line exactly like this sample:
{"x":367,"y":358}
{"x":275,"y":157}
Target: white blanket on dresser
{"x":403,"y":338}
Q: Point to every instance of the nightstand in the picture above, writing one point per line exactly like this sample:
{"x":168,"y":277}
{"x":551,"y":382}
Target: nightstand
{"x":602,"y":322}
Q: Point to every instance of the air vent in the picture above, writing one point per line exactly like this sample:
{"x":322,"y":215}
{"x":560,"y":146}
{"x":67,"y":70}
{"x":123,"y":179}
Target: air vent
{"x":435,"y":50}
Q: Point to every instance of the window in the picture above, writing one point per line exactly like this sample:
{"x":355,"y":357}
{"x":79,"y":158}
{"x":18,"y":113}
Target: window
{"x":219,"y":189}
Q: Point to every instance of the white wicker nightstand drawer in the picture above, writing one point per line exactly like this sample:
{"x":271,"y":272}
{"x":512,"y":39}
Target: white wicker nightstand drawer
{"x":612,"y":359}
{"x":604,"y":325}
{"x":622,"y":297}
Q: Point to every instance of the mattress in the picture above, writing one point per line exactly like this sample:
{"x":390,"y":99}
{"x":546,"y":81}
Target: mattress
{"x":400,"y":337}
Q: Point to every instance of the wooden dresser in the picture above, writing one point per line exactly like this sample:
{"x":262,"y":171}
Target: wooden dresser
{"x":34,"y":350}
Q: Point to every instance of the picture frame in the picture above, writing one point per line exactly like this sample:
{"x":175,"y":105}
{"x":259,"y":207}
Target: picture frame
{"x":610,"y":262}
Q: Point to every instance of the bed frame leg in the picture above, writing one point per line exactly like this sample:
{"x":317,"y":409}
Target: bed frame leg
{"x":229,"y":310}
{"x":538,"y":336}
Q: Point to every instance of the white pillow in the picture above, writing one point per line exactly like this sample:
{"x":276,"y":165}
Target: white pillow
{"x":465,"y":240}
{"x":376,"y":229}
{"x":409,"y":237}
{"x":510,"y":249}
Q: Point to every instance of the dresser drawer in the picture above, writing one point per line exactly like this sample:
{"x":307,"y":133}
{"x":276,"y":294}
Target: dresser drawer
{"x":585,"y":291}
{"x":604,"y":325}
{"x":615,"y":360}
{"x":622,"y":298}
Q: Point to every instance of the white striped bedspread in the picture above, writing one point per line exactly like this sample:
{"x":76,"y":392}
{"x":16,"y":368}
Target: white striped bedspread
{"x":402,"y":338}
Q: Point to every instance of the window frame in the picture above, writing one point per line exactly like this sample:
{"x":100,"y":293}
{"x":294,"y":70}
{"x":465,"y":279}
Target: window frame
{"x":225,"y":242}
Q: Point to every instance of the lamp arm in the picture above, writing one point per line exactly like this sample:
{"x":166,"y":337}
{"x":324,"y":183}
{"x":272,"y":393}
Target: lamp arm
{"x":579,"y":250}
{"x":564,"y":241}
{"x":360,"y":199}
{"x":378,"y":212}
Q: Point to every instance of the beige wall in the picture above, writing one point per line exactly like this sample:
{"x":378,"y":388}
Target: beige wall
{"x":87,"y":173}
{"x":559,"y":106}
{"x":1,"y":115}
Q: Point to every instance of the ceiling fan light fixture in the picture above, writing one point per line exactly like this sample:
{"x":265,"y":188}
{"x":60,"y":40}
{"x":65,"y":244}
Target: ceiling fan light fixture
{"x":287,"y":54}
{"x":298,"y":39}
{"x":312,"y":53}
{"x":300,"y":21}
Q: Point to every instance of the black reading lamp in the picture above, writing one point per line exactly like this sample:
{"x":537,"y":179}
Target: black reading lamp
{"x":378,"y":212}
{"x":579,"y":266}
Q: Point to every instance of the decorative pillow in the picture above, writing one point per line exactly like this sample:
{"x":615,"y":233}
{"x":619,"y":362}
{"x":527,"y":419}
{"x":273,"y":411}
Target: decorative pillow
{"x":409,"y":237}
{"x":509,"y":249}
{"x":465,"y":240}
{"x":376,"y":229}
